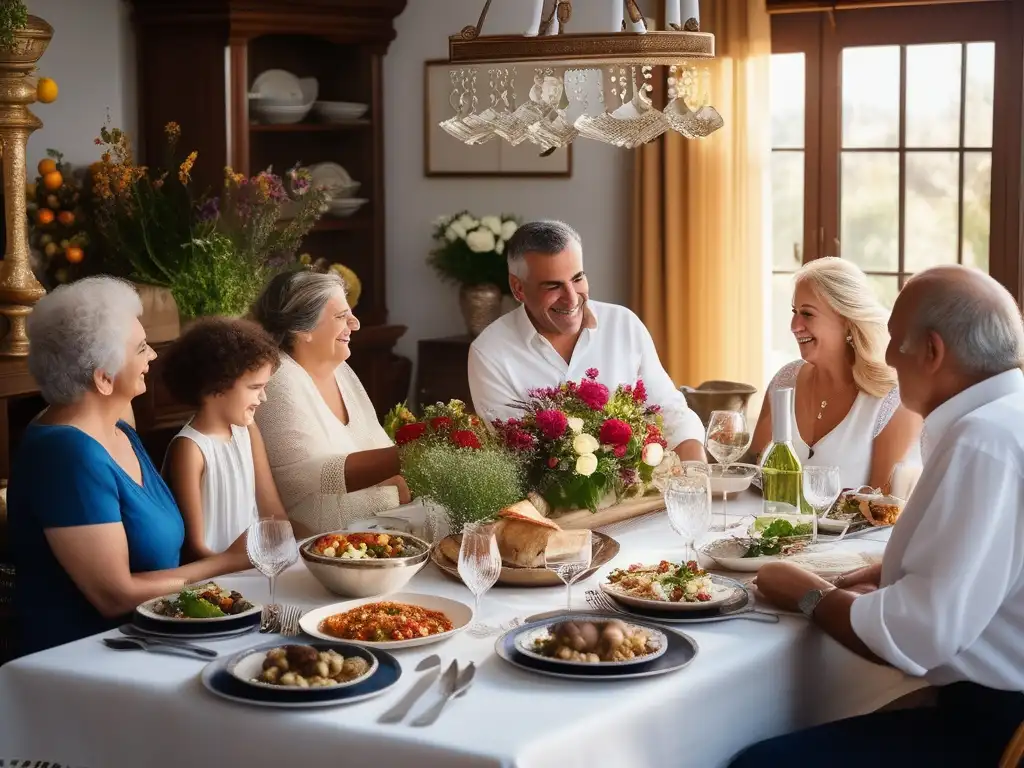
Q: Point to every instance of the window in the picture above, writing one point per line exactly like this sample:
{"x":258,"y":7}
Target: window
{"x":893,"y":146}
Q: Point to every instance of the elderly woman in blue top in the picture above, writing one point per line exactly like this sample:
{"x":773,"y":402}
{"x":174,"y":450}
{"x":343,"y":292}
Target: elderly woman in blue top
{"x":95,"y":531}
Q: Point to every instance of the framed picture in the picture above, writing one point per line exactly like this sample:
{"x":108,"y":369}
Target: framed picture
{"x":444,"y":155}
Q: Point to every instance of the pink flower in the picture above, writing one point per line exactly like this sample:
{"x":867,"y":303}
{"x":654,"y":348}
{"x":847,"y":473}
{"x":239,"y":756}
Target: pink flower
{"x":552,"y":462}
{"x":593,"y":394}
{"x":615,"y":432}
{"x":591,"y":373}
{"x":620,"y":451}
{"x":551,"y":423}
{"x":639,"y":392}
{"x":518,"y":439}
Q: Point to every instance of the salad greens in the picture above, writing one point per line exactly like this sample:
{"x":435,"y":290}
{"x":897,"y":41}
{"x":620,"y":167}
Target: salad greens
{"x":775,"y":536}
{"x":194,"y":607}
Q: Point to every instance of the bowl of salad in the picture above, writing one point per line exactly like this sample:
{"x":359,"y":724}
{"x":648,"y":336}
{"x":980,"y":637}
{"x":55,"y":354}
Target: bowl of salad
{"x":364,"y":563}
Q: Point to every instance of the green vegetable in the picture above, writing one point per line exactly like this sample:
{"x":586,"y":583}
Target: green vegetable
{"x":775,"y":535}
{"x":196,"y":608}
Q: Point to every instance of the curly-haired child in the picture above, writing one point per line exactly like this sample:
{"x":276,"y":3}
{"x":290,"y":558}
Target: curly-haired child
{"x":217,"y":466}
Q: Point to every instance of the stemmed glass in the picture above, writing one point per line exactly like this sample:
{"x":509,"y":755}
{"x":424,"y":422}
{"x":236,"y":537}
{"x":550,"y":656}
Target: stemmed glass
{"x":479,"y":566}
{"x":728,"y":439}
{"x":688,"y":503}
{"x":272,"y":548}
{"x":570,"y":564}
{"x":822,"y":486}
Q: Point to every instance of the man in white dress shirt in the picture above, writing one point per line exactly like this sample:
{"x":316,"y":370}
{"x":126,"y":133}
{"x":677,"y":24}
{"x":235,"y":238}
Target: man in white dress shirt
{"x":556,"y":334}
{"x":947,"y":602}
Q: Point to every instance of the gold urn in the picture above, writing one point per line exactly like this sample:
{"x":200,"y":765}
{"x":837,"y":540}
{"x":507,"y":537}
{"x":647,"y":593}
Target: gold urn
{"x":19,"y":289}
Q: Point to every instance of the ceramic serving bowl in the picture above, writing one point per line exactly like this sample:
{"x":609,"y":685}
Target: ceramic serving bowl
{"x":364,"y":577}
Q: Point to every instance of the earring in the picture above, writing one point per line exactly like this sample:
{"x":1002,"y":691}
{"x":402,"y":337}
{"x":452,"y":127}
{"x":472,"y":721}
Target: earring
{"x":849,"y":339}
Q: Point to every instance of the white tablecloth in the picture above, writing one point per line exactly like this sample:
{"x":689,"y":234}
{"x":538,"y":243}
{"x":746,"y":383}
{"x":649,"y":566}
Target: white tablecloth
{"x":85,"y":705}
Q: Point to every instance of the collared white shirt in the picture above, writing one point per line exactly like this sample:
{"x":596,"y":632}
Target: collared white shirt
{"x":510,"y":358}
{"x":951,"y":604}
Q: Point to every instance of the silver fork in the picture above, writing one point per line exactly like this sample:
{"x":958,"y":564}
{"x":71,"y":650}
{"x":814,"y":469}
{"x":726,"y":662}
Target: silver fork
{"x":270,"y":618}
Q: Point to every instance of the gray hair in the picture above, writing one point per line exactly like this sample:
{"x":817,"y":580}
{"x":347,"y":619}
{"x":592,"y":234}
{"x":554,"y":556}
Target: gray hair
{"x":980,"y":324}
{"x":293,"y":302}
{"x":545,"y":237}
{"x":79,"y":329}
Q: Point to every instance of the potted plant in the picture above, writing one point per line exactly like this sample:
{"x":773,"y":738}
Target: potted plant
{"x":470,"y":253}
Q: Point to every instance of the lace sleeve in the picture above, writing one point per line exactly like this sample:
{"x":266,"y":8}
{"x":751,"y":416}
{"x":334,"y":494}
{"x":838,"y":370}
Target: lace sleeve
{"x":786,"y":377}
{"x":889,"y":405}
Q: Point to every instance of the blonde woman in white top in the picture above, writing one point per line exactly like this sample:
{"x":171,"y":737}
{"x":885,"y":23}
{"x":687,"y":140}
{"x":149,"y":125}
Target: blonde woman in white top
{"x":331,"y":459}
{"x":217,"y":465}
{"x":847,"y":405}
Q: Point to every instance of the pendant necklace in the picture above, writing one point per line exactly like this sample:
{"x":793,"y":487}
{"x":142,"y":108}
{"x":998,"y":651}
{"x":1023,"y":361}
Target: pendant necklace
{"x":821,"y":411}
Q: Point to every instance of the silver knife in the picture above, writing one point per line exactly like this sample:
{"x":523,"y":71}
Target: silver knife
{"x":398,"y":712}
{"x":465,"y":680}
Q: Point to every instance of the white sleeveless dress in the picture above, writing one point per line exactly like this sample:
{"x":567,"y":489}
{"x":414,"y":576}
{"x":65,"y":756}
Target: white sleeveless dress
{"x":229,"y":485}
{"x":849,"y":444}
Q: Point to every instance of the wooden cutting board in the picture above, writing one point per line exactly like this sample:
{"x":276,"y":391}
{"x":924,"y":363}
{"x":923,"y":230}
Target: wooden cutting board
{"x":584,"y":518}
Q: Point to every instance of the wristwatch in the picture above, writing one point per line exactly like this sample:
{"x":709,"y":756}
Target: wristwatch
{"x":809,"y":602}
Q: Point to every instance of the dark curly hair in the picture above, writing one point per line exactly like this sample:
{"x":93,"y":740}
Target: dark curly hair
{"x":212,"y":355}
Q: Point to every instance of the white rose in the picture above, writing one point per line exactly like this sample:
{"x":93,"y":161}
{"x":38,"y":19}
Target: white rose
{"x":584,"y":444}
{"x":575,"y":424}
{"x":455,"y":231}
{"x":493,"y":223}
{"x":441,"y":221}
{"x":499,"y":247}
{"x":480,"y":240}
{"x":586,"y":464}
{"x":653,"y":454}
{"x":467,"y":222}
{"x":507,"y":229}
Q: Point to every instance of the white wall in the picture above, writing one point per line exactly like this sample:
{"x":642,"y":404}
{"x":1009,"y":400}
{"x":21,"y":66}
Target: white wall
{"x":596,"y":200}
{"x":92,"y":58}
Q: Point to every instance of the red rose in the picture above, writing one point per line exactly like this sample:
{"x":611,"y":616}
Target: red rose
{"x":551,"y":423}
{"x":593,"y":394}
{"x":409,"y":432}
{"x":620,"y":451}
{"x":552,"y":462}
{"x":465,"y":439}
{"x":591,"y":373}
{"x":615,"y":432}
{"x":440,"y":423}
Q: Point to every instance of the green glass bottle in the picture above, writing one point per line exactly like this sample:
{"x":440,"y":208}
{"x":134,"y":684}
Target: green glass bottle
{"x":781,"y":471}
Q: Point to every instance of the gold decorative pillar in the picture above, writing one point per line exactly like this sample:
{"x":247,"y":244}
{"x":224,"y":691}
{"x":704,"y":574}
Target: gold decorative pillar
{"x":19,"y":289}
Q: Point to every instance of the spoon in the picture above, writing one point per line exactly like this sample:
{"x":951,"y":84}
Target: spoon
{"x":431,"y":665}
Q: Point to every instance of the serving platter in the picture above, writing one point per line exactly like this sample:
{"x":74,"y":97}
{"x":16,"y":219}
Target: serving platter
{"x":604,"y":549}
{"x":741,"y":605}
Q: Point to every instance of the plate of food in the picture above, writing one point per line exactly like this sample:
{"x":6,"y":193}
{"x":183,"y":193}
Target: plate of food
{"x":544,"y":641}
{"x":224,"y":678}
{"x":572,"y":643}
{"x":666,"y":586}
{"x":200,"y":604}
{"x":403,"y":620}
{"x":295,"y":668}
{"x":860,"y":509}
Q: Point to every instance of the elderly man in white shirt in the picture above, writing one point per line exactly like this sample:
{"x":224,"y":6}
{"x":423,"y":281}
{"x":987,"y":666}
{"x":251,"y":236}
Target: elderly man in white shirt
{"x":947,"y":602}
{"x":557,"y":333}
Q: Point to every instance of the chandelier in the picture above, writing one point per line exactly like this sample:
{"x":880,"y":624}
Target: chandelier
{"x":597,"y":86}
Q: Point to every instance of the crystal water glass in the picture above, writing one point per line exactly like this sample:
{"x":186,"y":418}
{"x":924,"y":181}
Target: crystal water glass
{"x":272,"y":548}
{"x":727,"y":440}
{"x":569,"y":565}
{"x":479,"y":565}
{"x":821,"y":486}
{"x":688,"y":504}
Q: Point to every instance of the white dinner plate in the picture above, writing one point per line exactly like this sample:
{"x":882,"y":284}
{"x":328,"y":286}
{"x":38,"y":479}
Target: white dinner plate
{"x":728,"y":554}
{"x":525,"y":643}
{"x":278,"y":86}
{"x":146,"y":610}
{"x":248,"y":665}
{"x":720,"y":595}
{"x":458,"y":613}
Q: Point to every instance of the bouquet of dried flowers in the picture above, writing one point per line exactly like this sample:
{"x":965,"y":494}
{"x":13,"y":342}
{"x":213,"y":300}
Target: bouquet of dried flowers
{"x":584,"y":442}
{"x":470,"y":251}
{"x":450,"y":458}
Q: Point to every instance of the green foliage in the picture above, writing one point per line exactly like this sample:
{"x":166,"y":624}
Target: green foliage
{"x":13,"y":17}
{"x":217,"y":280}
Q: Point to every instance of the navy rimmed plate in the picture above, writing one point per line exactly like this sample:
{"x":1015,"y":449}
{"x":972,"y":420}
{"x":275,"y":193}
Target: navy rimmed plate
{"x":230,"y":626}
{"x":681,"y":650}
{"x":742,"y":600}
{"x":218,"y":680}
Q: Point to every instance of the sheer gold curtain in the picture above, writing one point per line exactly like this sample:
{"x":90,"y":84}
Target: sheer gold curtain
{"x":700,"y":216}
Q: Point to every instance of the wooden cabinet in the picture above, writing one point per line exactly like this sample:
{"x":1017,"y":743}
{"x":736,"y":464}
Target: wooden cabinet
{"x":442,"y":370}
{"x":197,"y":63}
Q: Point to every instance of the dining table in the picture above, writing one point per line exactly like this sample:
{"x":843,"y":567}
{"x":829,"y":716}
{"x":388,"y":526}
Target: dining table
{"x":83,"y":704}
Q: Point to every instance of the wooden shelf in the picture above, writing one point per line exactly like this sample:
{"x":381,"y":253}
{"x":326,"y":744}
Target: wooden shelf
{"x":348,"y":125}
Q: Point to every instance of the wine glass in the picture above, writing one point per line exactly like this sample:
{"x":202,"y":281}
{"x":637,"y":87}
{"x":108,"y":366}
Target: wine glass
{"x":688,"y":504}
{"x":822,"y":486}
{"x":728,"y":439}
{"x":272,"y":548}
{"x":479,"y":565}
{"x":569,"y":564}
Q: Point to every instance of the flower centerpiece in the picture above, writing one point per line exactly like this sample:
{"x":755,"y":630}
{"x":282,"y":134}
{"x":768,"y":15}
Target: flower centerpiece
{"x":470,"y":253}
{"x":450,"y":458}
{"x":586,"y":445}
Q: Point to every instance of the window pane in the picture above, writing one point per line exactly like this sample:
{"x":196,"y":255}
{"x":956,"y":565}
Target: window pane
{"x":886,"y":288}
{"x":871,"y":96}
{"x":787,"y":209}
{"x":977,"y":208}
{"x":784,"y":347}
{"x":869,"y":210}
{"x":787,"y":100}
{"x":933,"y":95}
{"x":933,"y":183}
{"x":981,"y":68}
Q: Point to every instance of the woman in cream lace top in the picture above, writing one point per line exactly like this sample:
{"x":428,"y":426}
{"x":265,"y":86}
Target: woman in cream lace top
{"x":331,"y":459}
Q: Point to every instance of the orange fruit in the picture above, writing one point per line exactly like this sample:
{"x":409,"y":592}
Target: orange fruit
{"x":67,"y":218}
{"x":53,"y":180}
{"x":74,"y":254}
{"x":46,"y":90}
{"x":46,"y":165}
{"x":45,"y":216}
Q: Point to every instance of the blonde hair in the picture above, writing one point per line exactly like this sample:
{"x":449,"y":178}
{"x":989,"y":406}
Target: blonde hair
{"x":847,"y":291}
